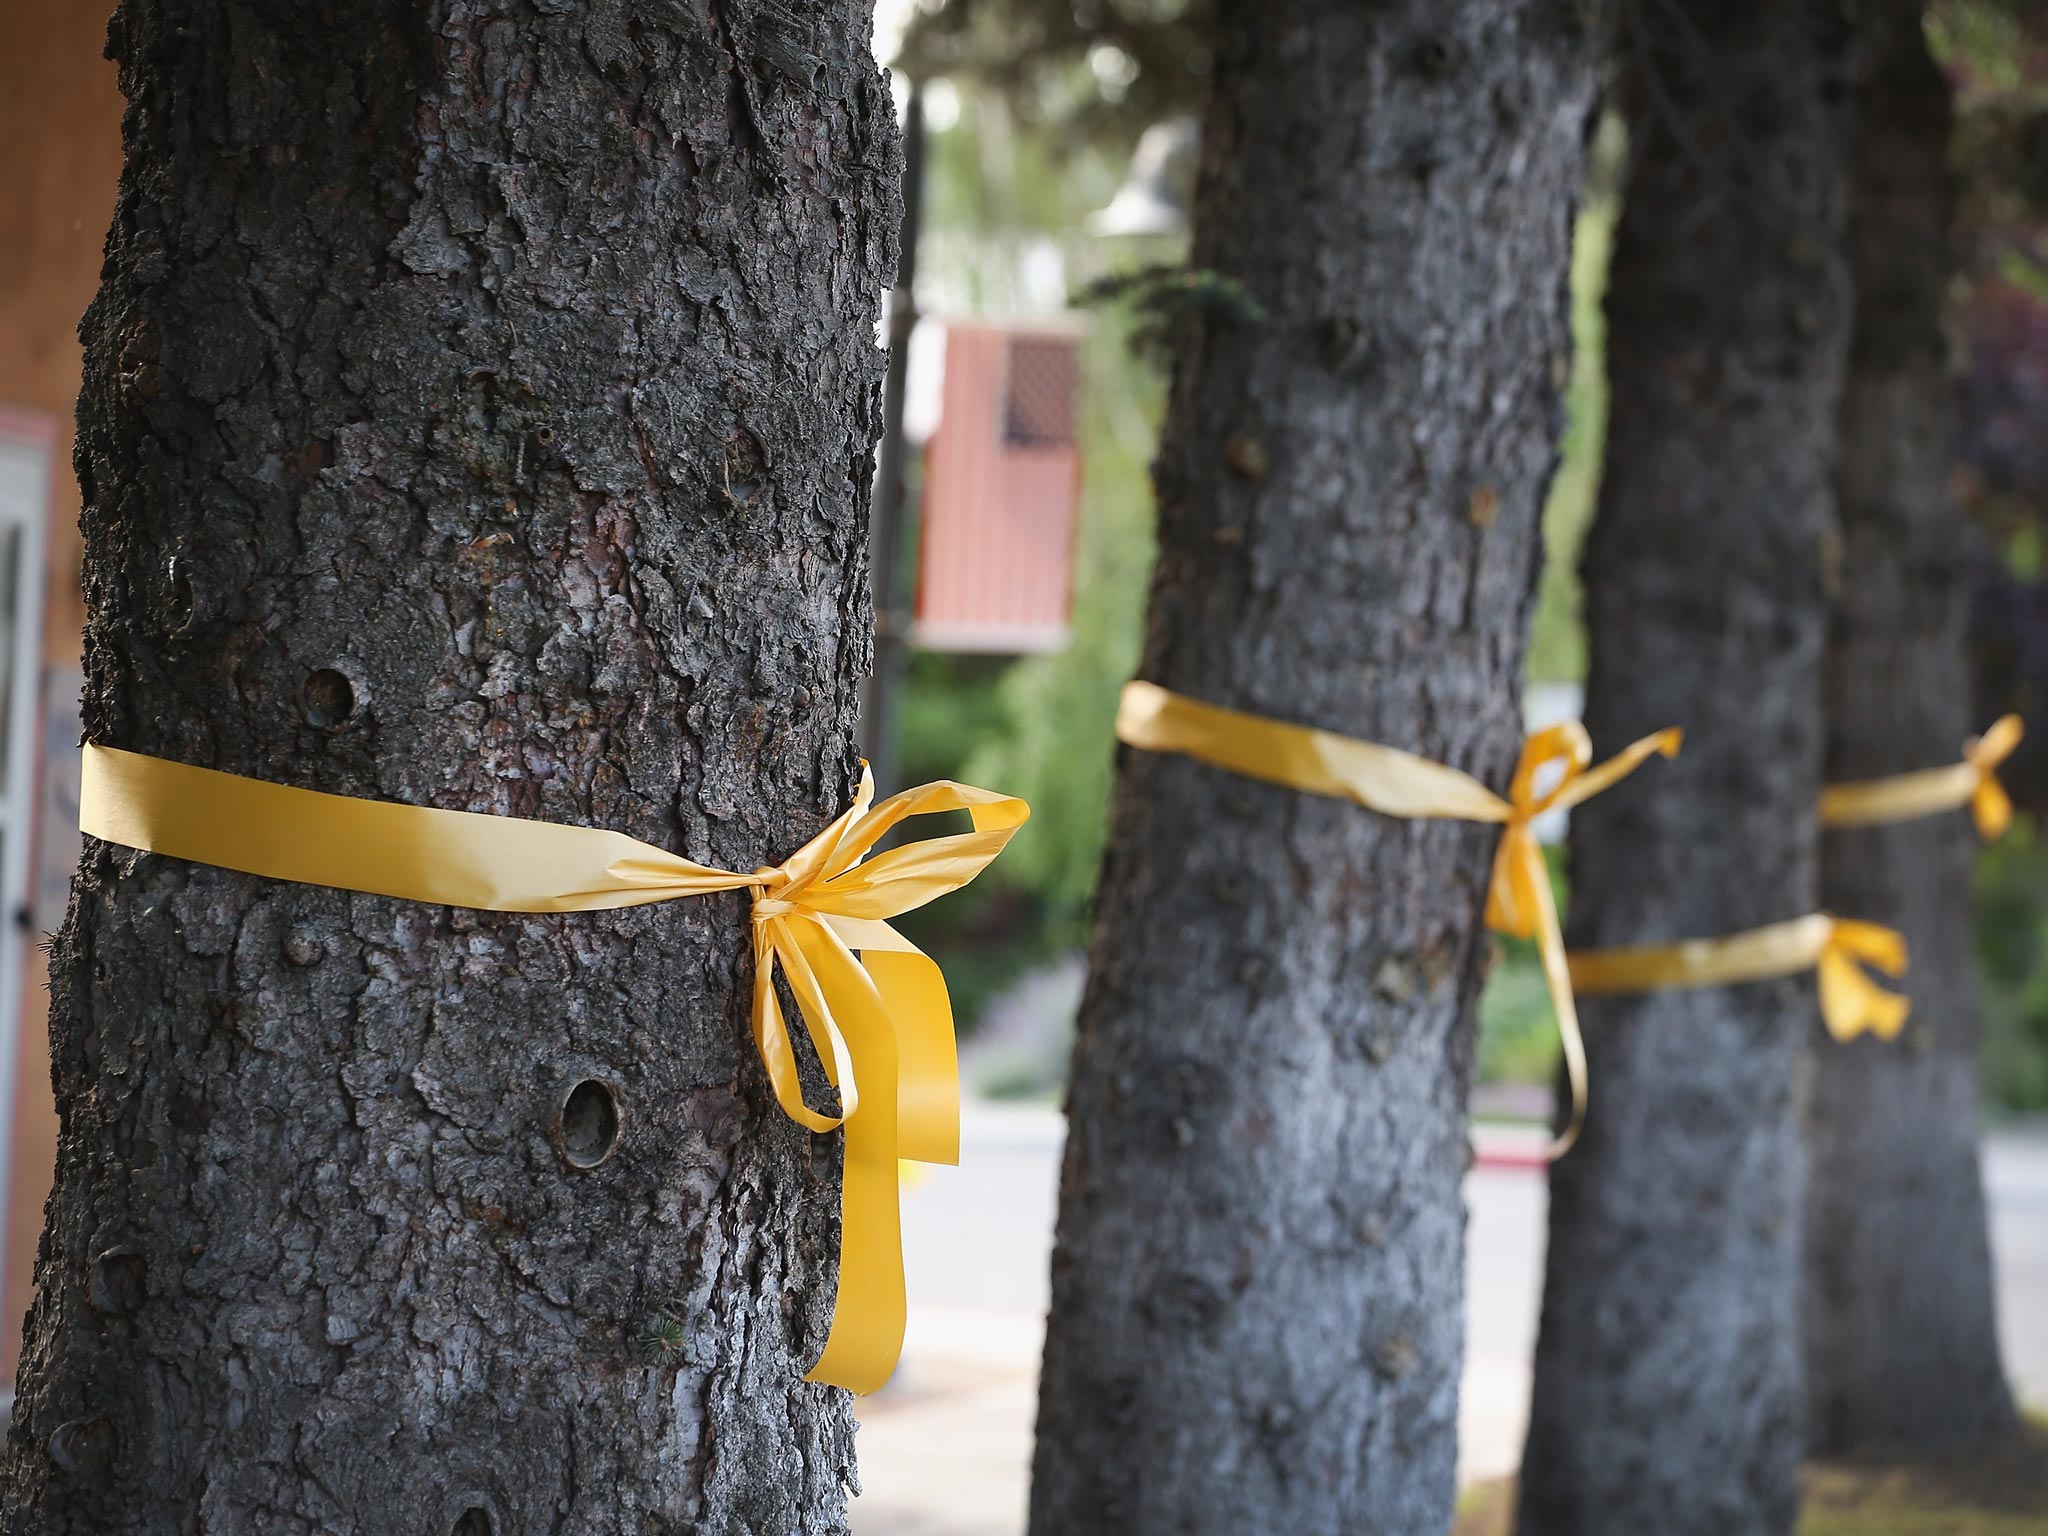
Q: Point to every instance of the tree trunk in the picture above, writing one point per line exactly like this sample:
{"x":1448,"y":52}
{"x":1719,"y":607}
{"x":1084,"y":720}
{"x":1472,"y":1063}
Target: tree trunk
{"x":478,"y":413}
{"x":1901,"y":1335}
{"x":1256,"y":1293}
{"x":1667,"y":1366}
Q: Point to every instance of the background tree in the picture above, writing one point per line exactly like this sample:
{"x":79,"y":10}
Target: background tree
{"x":1667,"y":1369}
{"x":1995,"y":53}
{"x":1256,"y":1293}
{"x":1901,"y":1333}
{"x":478,"y":413}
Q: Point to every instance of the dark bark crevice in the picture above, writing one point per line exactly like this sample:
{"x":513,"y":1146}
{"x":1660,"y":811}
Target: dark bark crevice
{"x":427,"y":340}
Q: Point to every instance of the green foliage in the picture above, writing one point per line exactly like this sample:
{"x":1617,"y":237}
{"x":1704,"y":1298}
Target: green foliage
{"x":999,"y":201}
{"x":1103,"y":69}
{"x":1557,"y":642}
{"x":661,"y":1338}
{"x":995,"y":192}
{"x":1985,"y":39}
{"x":1517,"y":1030}
{"x":1160,"y":294}
{"x":1518,"y":1040}
{"x":2012,"y":957}
{"x":1057,"y":743}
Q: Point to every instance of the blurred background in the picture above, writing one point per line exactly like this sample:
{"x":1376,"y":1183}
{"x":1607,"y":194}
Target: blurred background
{"x":1058,"y":146}
{"x":1053,"y":206}
{"x":1052,"y":146}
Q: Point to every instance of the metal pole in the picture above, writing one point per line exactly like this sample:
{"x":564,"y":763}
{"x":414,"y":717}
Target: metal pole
{"x":886,"y":541}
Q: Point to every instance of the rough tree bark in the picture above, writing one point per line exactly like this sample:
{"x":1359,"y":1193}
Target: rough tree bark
{"x":1901,"y":1331}
{"x":1256,"y":1292}
{"x":478,"y":413}
{"x":1667,"y":1367}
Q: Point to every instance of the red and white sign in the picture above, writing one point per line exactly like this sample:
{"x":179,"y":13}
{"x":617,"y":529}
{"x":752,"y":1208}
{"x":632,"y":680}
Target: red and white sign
{"x":1002,"y":486}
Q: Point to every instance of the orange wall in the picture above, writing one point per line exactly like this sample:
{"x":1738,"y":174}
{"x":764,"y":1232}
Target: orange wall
{"x":60,"y":123}
{"x":60,"y":119}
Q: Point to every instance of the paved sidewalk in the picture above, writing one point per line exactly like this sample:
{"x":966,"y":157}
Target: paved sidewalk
{"x":945,"y":1449}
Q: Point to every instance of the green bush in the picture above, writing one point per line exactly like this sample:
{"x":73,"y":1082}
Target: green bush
{"x":2012,"y":959}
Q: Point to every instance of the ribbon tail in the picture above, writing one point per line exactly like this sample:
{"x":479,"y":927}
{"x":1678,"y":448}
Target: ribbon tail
{"x":868,"y":1313}
{"x":1851,"y":1003}
{"x":1991,"y":807}
{"x":913,"y":992}
{"x":785,"y":938}
{"x":771,"y":1039}
{"x":1558,"y":975}
{"x":1512,"y":906}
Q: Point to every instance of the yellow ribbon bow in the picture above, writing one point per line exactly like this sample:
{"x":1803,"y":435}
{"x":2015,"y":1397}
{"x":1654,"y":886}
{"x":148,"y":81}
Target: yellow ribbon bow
{"x":884,"y":1016}
{"x":1397,"y":783}
{"x":1909,"y":796}
{"x":1519,"y":901}
{"x":1834,"y":947}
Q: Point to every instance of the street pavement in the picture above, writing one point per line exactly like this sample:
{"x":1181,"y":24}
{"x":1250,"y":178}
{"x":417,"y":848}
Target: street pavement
{"x":945,"y":1448}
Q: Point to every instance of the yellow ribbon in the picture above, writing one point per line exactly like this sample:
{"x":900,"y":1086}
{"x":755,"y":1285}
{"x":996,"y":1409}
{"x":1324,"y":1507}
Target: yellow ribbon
{"x":884,"y":1015}
{"x":1397,"y":783}
{"x":1838,"y":948}
{"x":1930,"y":791}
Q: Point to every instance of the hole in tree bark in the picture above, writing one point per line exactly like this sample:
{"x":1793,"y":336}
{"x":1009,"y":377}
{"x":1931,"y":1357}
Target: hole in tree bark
{"x":84,"y":1446}
{"x":120,"y":1281}
{"x":182,"y":599}
{"x":330,"y":699}
{"x":588,"y":1130}
{"x":474,"y":1522}
{"x":746,"y":466}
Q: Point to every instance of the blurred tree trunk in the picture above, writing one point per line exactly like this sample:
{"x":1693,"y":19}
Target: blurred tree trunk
{"x":478,"y":413}
{"x":1256,"y":1293}
{"x":1901,"y":1335}
{"x":1667,"y":1369}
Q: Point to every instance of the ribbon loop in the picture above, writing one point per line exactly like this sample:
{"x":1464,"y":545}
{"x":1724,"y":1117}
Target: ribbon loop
{"x":1565,"y":743}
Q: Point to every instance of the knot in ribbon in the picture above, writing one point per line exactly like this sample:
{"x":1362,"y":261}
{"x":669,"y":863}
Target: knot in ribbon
{"x":1519,"y":894}
{"x":884,"y":1014}
{"x":1518,"y":898}
{"x":1990,"y":805}
{"x":814,"y":910}
{"x":1850,"y":1002}
{"x":1930,"y":791}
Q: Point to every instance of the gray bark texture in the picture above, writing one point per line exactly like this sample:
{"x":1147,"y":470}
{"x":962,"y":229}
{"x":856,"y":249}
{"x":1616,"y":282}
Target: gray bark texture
{"x":1257,"y":1285}
{"x":1901,"y":1335}
{"x":1667,"y":1367}
{"x":478,"y":413}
